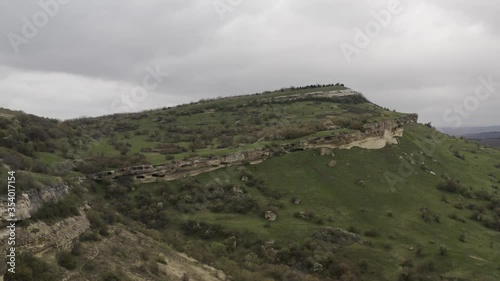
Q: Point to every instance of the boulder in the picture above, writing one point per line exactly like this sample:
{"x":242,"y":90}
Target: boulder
{"x":269,"y":215}
{"x":326,"y":151}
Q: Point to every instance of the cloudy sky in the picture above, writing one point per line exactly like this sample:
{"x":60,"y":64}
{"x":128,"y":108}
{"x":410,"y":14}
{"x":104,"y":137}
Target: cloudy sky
{"x":73,"y":58}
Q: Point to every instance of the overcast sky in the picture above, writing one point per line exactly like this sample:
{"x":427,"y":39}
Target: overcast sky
{"x":73,"y":58}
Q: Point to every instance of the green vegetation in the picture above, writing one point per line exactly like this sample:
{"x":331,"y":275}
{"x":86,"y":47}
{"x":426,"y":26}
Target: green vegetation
{"x":417,"y":232}
{"x":404,"y":212}
{"x":64,"y":208}
{"x":29,"y":267}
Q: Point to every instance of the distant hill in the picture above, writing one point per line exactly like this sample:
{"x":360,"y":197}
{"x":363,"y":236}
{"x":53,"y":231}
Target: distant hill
{"x":462,"y":131}
{"x":488,"y":138}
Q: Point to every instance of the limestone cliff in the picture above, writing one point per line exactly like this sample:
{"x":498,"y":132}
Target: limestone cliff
{"x":28,"y":202}
{"x":39,"y":236}
{"x":372,"y":136}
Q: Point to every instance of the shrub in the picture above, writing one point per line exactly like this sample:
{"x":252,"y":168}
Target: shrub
{"x":66,"y":260}
{"x":372,"y":233}
{"x":461,"y":238}
{"x":407,"y":263}
{"x":353,"y":229}
{"x":89,"y":236}
{"x":65,"y":208}
{"x":76,"y":250}
{"x":443,"y":250}
{"x":29,"y":267}
{"x":459,"y":155}
{"x":419,"y":250}
{"x":451,"y":185}
{"x":429,"y":216}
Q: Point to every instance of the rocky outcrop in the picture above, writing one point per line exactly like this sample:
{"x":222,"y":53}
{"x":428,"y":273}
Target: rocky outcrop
{"x":193,"y":166}
{"x":29,"y":201}
{"x":336,"y":236}
{"x":317,"y":95}
{"x":39,"y":236}
{"x":270,"y":215}
{"x":371,"y":136}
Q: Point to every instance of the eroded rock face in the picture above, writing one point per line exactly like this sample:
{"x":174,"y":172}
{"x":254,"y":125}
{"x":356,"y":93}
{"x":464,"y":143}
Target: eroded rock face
{"x":39,"y":236}
{"x":372,"y":136}
{"x":270,"y":215}
{"x":336,"y":236}
{"x":28,"y":202}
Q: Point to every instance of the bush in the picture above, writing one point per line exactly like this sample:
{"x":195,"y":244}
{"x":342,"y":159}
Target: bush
{"x":89,"y":236}
{"x":353,"y":229}
{"x":451,"y":185}
{"x":29,"y":267}
{"x":372,"y":233}
{"x":65,"y":208}
{"x":66,"y":260}
{"x":443,"y":250}
{"x":462,"y":237}
{"x":76,"y":250}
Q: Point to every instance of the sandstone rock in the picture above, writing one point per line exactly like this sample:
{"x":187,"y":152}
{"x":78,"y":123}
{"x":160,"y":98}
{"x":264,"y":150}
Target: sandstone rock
{"x":326,"y":151}
{"x":336,"y":236}
{"x":86,"y":207}
{"x":237,"y":189}
{"x":31,"y":200}
{"x":332,"y":163}
{"x":271,"y":216}
{"x":39,"y":236}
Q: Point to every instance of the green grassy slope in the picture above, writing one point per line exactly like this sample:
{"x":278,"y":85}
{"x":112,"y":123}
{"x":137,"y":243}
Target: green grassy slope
{"x":392,"y":211}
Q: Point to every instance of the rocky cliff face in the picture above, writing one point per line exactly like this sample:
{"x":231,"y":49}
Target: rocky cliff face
{"x":28,"y":202}
{"x":39,"y":236}
{"x":372,"y":136}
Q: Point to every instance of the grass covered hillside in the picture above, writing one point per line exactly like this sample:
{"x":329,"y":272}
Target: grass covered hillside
{"x":424,"y":208}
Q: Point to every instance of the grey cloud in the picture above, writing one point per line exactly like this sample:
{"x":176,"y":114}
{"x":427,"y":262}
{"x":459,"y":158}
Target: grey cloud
{"x":426,"y":60}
